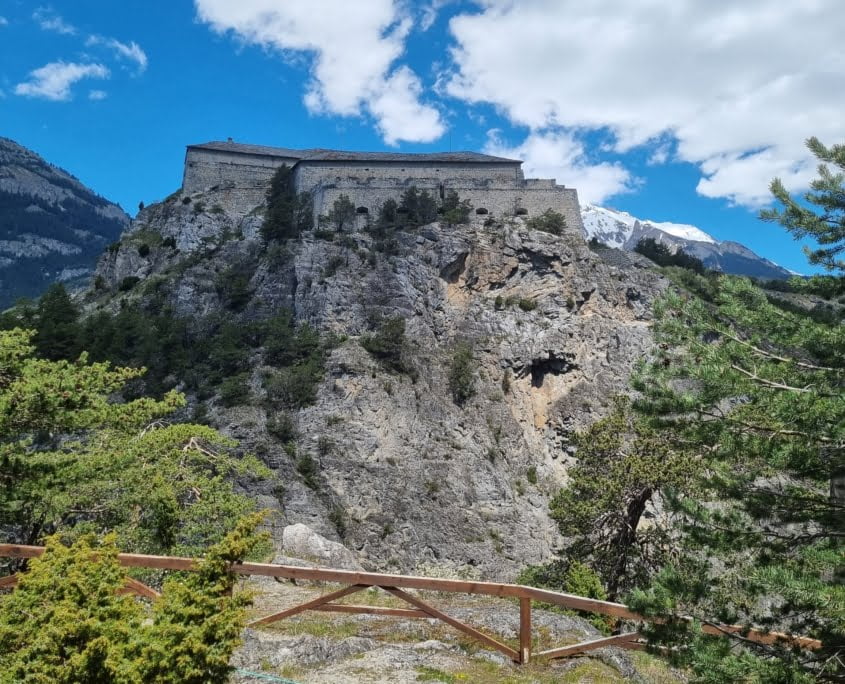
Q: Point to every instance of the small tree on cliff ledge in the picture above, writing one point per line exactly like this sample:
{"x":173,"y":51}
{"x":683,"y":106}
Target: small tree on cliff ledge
{"x":288,"y":214}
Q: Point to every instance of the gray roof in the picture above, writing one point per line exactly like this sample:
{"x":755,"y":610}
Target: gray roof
{"x":342,"y":155}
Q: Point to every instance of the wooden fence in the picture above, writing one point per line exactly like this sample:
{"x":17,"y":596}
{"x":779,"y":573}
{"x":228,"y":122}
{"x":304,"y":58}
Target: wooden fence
{"x":396,"y":586}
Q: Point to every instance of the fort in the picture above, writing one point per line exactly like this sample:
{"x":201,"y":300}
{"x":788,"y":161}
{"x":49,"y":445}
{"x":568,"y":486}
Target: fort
{"x":494,"y":185}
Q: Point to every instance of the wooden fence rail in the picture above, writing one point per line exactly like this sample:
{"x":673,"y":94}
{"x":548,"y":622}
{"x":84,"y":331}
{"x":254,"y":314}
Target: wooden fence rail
{"x":396,"y":584}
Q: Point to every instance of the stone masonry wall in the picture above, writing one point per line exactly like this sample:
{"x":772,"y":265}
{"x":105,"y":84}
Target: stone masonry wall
{"x":240,"y":180}
{"x":205,"y":169}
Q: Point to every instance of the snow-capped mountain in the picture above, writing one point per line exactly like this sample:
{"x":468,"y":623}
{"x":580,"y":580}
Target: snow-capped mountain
{"x":621,"y":230}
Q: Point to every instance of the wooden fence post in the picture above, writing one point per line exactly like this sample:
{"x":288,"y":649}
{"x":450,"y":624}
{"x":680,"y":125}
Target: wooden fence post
{"x":524,"y":630}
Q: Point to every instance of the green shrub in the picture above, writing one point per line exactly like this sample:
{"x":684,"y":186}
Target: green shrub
{"x":282,"y":427}
{"x":234,"y":390}
{"x":462,"y":374}
{"x":128,"y":283}
{"x":387,"y":344}
{"x":233,"y":285}
{"x":531,"y":474}
{"x":322,"y":234}
{"x":186,"y":200}
{"x":144,"y":250}
{"x":550,"y":221}
{"x":337,"y":517}
{"x":455,"y":210}
{"x":335,"y":262}
{"x":662,"y":255}
{"x":342,"y":213}
{"x":418,"y":207}
{"x":99,"y":283}
{"x":217,"y":209}
{"x":288,"y":214}
{"x":293,"y":387}
{"x":169,"y":242}
{"x":306,"y":466}
{"x":527,"y":304}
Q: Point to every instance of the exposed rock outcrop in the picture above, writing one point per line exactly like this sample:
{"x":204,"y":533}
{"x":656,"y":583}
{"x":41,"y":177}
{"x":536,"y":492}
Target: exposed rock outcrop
{"x":412,"y":479}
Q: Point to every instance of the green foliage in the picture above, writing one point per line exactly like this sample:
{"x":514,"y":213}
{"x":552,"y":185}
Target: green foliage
{"x":752,"y":390}
{"x":288,"y":214}
{"x":825,"y":225}
{"x":66,"y":622}
{"x":454,"y":209}
{"x":342,"y":213}
{"x":128,"y":283}
{"x":57,"y":336}
{"x":282,"y":427}
{"x":531,"y":474}
{"x":622,"y":466}
{"x":234,"y":390}
{"x":527,"y":304}
{"x":233,"y":285}
{"x":306,"y":466}
{"x":388,"y":217}
{"x":144,"y":250}
{"x":416,"y":207}
{"x":462,"y":373}
{"x":662,"y":255}
{"x":388,"y":344}
{"x":75,"y":461}
{"x":550,"y":221}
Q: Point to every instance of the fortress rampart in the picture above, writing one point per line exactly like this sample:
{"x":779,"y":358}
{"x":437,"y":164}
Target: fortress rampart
{"x":240,"y":175}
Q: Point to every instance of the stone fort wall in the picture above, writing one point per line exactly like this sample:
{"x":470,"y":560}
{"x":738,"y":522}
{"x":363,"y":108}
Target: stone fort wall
{"x":240,"y":180}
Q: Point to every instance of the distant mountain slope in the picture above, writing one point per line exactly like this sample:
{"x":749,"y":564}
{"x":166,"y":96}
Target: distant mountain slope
{"x":623,"y":231}
{"x":51,"y":226}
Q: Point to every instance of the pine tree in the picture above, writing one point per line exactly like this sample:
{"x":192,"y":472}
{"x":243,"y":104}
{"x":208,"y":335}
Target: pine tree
{"x":753,"y":391}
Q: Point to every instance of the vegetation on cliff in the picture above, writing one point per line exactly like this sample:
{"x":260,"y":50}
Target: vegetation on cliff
{"x":737,"y":449}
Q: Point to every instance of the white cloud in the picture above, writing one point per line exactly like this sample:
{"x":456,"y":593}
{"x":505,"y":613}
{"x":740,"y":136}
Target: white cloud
{"x":4,"y":21}
{"x":737,"y":86}
{"x":131,"y":51}
{"x":430,"y":12}
{"x":557,"y":154}
{"x":49,"y":20}
{"x":53,"y":81}
{"x":97,"y":95}
{"x":354,"y":47}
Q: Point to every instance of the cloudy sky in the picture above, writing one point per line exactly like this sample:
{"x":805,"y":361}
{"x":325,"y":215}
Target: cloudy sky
{"x":675,"y":111}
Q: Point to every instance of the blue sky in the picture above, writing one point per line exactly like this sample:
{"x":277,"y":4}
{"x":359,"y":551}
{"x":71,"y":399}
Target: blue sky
{"x":677,"y":111}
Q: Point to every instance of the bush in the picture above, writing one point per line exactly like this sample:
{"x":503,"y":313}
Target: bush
{"x":293,"y":387}
{"x":334,"y":263}
{"x":456,"y":210}
{"x":199,"y":207}
{"x":169,"y":242}
{"x":461,"y":374}
{"x":342,"y":213}
{"x":527,"y":304}
{"x":550,"y":221}
{"x":144,"y":250}
{"x":233,"y":285}
{"x":662,"y":255}
{"x":387,"y":344}
{"x":418,"y":207}
{"x":282,"y":427}
{"x":234,"y":390}
{"x":531,"y":474}
{"x":128,"y":283}
{"x":99,"y":283}
{"x":306,"y":466}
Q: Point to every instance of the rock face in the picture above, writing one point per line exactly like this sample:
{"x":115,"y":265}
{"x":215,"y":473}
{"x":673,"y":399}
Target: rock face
{"x":414,"y":480}
{"x":300,"y":540}
{"x":51,"y":226}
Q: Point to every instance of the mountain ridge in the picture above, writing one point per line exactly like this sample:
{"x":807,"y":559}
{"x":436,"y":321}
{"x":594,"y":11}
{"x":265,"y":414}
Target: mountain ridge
{"x":622,"y":230}
{"x":52,"y":227}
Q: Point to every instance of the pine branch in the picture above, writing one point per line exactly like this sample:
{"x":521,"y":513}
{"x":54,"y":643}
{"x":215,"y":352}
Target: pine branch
{"x":770,"y":355}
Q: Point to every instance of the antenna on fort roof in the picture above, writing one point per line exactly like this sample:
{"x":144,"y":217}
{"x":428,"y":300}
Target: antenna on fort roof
{"x":450,"y":141}
{"x":229,"y":140}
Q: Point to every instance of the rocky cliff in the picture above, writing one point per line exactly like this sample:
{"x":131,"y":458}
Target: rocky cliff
{"x":406,"y":477}
{"x":52,"y":228}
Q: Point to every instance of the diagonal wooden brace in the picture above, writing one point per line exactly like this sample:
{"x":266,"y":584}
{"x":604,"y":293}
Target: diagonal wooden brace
{"x":460,"y":626}
{"x":319,"y":601}
{"x":616,"y":640}
{"x":9,"y":582}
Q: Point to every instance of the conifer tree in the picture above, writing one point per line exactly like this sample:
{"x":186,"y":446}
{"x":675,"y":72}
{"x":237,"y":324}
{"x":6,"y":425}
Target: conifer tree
{"x":754,"y":392}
